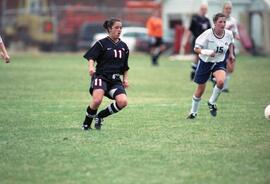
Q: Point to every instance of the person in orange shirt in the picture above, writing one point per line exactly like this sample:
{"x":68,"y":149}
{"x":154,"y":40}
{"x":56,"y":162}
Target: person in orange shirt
{"x":155,"y":32}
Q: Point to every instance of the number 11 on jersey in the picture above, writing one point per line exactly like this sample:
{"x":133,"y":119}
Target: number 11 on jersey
{"x":117,"y":53}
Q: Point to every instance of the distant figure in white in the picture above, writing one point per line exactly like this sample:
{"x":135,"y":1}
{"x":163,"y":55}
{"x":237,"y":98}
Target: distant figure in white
{"x":231,"y":24}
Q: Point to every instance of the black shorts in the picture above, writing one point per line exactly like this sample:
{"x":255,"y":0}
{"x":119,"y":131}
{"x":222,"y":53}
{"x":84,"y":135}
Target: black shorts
{"x":111,"y":85}
{"x":204,"y":70}
{"x":155,"y":41}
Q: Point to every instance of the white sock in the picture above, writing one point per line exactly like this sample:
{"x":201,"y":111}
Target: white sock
{"x":195,"y":105}
{"x":226,"y":81}
{"x":215,"y":94}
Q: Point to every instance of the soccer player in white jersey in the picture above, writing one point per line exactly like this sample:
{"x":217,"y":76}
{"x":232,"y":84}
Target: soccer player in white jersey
{"x":231,"y":24}
{"x":212,"y":46}
{"x":3,"y":51}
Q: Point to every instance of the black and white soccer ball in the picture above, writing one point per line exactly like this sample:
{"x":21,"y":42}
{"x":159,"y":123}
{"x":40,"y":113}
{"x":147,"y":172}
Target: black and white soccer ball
{"x":267,"y":112}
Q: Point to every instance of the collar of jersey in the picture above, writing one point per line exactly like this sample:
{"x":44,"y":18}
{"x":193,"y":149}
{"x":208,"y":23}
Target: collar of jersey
{"x":217,"y":35}
{"x":114,"y":41}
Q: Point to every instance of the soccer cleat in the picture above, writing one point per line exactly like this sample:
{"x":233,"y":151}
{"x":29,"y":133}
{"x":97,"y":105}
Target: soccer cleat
{"x":191,"y":116}
{"x":213,"y":109}
{"x":98,"y":123}
{"x":86,"y":127}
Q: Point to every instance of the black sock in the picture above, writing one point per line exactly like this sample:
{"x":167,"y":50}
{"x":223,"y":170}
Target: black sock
{"x":90,"y":114}
{"x":194,"y":67}
{"x":111,"y":109}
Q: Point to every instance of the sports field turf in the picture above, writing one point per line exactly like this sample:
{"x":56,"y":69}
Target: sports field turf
{"x":43,"y":98}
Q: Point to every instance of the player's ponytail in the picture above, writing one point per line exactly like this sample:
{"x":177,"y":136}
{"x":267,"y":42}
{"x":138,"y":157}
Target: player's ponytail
{"x":109,"y":23}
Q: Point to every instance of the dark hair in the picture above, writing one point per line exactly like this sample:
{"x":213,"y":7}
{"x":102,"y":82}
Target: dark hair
{"x":109,"y":23}
{"x":218,"y":15}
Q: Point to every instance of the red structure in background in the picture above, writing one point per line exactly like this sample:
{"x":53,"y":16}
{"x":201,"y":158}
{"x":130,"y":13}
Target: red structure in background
{"x":70,"y":16}
{"x":74,"y":16}
{"x":139,"y":11}
{"x":143,"y":4}
{"x":179,"y":33}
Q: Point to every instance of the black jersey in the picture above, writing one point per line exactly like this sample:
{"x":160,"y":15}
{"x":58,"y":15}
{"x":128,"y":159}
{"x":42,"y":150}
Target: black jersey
{"x":111,"y":57}
{"x":198,"y":25}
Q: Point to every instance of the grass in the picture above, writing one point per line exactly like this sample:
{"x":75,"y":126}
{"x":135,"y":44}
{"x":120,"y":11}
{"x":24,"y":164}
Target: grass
{"x":43,"y":98}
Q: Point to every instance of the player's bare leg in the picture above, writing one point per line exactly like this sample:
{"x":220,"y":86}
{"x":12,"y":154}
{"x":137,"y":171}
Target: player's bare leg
{"x":120,"y":103}
{"x":220,"y":77}
{"x":92,"y":108}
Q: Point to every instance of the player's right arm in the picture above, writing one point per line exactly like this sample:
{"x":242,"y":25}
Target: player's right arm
{"x":201,"y":44}
{"x":92,"y":55}
{"x":207,"y":52}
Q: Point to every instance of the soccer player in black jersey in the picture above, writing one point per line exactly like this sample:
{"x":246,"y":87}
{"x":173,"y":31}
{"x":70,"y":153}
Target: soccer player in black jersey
{"x":199,"y":23}
{"x":111,"y":57}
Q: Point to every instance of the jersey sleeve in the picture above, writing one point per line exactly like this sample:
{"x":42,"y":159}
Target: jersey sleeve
{"x":94,"y":52}
{"x":192,"y":26}
{"x":201,"y":41}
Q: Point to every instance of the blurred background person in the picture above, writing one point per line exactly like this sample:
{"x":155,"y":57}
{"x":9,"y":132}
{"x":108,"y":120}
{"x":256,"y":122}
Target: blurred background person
{"x":231,"y":24}
{"x":3,"y":51}
{"x":155,"y":32}
{"x":199,"y":23}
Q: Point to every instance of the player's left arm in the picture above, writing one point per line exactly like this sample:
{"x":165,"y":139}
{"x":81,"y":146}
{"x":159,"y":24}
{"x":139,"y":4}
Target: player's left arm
{"x":231,"y":49}
{"x":126,"y":68}
{"x":125,"y":79}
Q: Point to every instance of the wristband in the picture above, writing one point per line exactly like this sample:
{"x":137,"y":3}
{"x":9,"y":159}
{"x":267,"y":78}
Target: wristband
{"x":207,"y":52}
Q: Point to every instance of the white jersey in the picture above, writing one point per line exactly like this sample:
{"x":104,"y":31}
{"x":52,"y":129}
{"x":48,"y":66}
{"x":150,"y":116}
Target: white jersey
{"x":208,"y":40}
{"x":231,"y":24}
{"x":1,"y":41}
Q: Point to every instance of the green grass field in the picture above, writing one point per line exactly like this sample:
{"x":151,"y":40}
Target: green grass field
{"x":43,"y":98}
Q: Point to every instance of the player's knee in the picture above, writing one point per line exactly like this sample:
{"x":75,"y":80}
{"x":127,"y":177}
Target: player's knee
{"x":122,"y":102}
{"x":220,"y":83}
{"x":97,"y":101}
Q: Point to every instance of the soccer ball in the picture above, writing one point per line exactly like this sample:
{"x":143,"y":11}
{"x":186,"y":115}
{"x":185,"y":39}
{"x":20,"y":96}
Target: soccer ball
{"x":267,"y":112}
